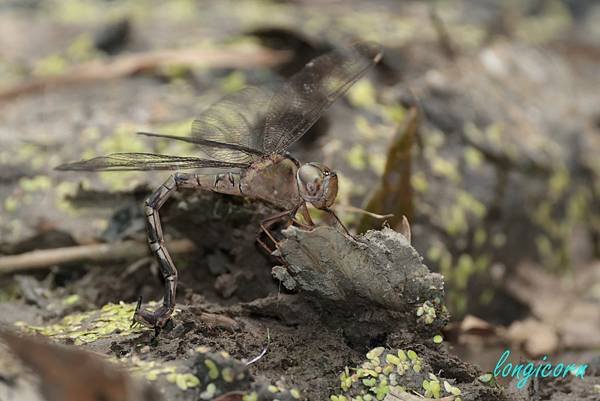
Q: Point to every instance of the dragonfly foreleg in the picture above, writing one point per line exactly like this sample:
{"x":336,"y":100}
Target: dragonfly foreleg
{"x":160,"y":316}
{"x":331,"y":212}
{"x":309,"y":222}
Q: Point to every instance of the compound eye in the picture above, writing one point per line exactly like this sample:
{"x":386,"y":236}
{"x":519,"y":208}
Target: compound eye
{"x":311,"y":178}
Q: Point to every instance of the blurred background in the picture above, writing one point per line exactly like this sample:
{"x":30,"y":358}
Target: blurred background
{"x":481,"y":124}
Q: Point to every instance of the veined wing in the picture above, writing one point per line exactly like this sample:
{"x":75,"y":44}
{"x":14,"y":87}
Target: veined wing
{"x":206,"y":144}
{"x":237,"y":119}
{"x":146,"y":161}
{"x":299,"y":103}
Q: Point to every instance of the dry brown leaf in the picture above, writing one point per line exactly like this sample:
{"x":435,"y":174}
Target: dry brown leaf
{"x":564,"y":308}
{"x":71,"y":374}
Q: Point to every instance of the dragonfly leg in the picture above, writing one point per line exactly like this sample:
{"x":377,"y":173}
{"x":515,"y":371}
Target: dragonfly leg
{"x":331,"y":212}
{"x":265,"y":227}
{"x":160,"y":316}
{"x":292,"y":158}
{"x":266,"y":224}
{"x":310,"y":223}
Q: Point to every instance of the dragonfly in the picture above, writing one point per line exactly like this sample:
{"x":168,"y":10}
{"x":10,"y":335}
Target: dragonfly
{"x":246,"y":136}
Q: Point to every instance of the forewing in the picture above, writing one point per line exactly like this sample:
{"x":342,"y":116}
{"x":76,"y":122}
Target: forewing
{"x":299,"y":103}
{"x":237,"y":119}
{"x":145,"y":161}
{"x":205,"y":145}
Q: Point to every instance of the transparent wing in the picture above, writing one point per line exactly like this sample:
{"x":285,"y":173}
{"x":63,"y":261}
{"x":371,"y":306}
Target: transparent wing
{"x":208,"y":145}
{"x":237,"y":119}
{"x":145,"y":161}
{"x":299,"y":103}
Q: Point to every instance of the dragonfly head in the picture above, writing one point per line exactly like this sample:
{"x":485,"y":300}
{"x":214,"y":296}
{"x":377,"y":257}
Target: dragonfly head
{"x":317,"y":184}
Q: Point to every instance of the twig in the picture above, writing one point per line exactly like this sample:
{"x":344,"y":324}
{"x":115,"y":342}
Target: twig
{"x":122,"y":66}
{"x":220,"y":321}
{"x":46,"y":258}
{"x":135,"y":266}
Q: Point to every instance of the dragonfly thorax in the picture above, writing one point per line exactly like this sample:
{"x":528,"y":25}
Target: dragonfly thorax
{"x":317,"y":184}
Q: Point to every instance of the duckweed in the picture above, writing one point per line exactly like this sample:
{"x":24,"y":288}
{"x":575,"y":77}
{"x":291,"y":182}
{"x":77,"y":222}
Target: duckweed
{"x":88,"y":327}
{"x":210,"y":392}
{"x":213,"y":371}
{"x":251,"y":396}
{"x":426,"y":313}
{"x":185,"y":381}
{"x":386,"y":372}
{"x":150,"y":370}
{"x":485,"y":378}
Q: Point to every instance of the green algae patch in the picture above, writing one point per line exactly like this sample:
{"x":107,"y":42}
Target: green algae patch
{"x":62,"y":191}
{"x":11,"y":204}
{"x":233,"y":82}
{"x":9,"y":292}
{"x":82,"y":48}
{"x":37,"y":183}
{"x":357,"y":157}
{"x":363,"y":94}
{"x":71,"y":300}
{"x":51,"y":65}
{"x":91,"y":326}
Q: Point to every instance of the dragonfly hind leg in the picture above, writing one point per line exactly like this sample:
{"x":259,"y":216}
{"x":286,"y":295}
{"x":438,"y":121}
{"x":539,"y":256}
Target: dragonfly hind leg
{"x":160,"y":316}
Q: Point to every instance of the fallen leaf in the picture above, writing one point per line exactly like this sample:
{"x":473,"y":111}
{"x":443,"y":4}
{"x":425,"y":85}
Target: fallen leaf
{"x":71,"y":374}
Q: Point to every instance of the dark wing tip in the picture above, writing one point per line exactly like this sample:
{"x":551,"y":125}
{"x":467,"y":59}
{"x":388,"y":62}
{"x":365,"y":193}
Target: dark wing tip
{"x":146,"y":133}
{"x":93,"y":164}
{"x":67,"y":167}
{"x":370,"y":50}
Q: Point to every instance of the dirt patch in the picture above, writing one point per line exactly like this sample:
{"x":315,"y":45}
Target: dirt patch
{"x":228,"y":302}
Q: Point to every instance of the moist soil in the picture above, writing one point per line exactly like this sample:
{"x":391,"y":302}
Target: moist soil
{"x":227,"y":301}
